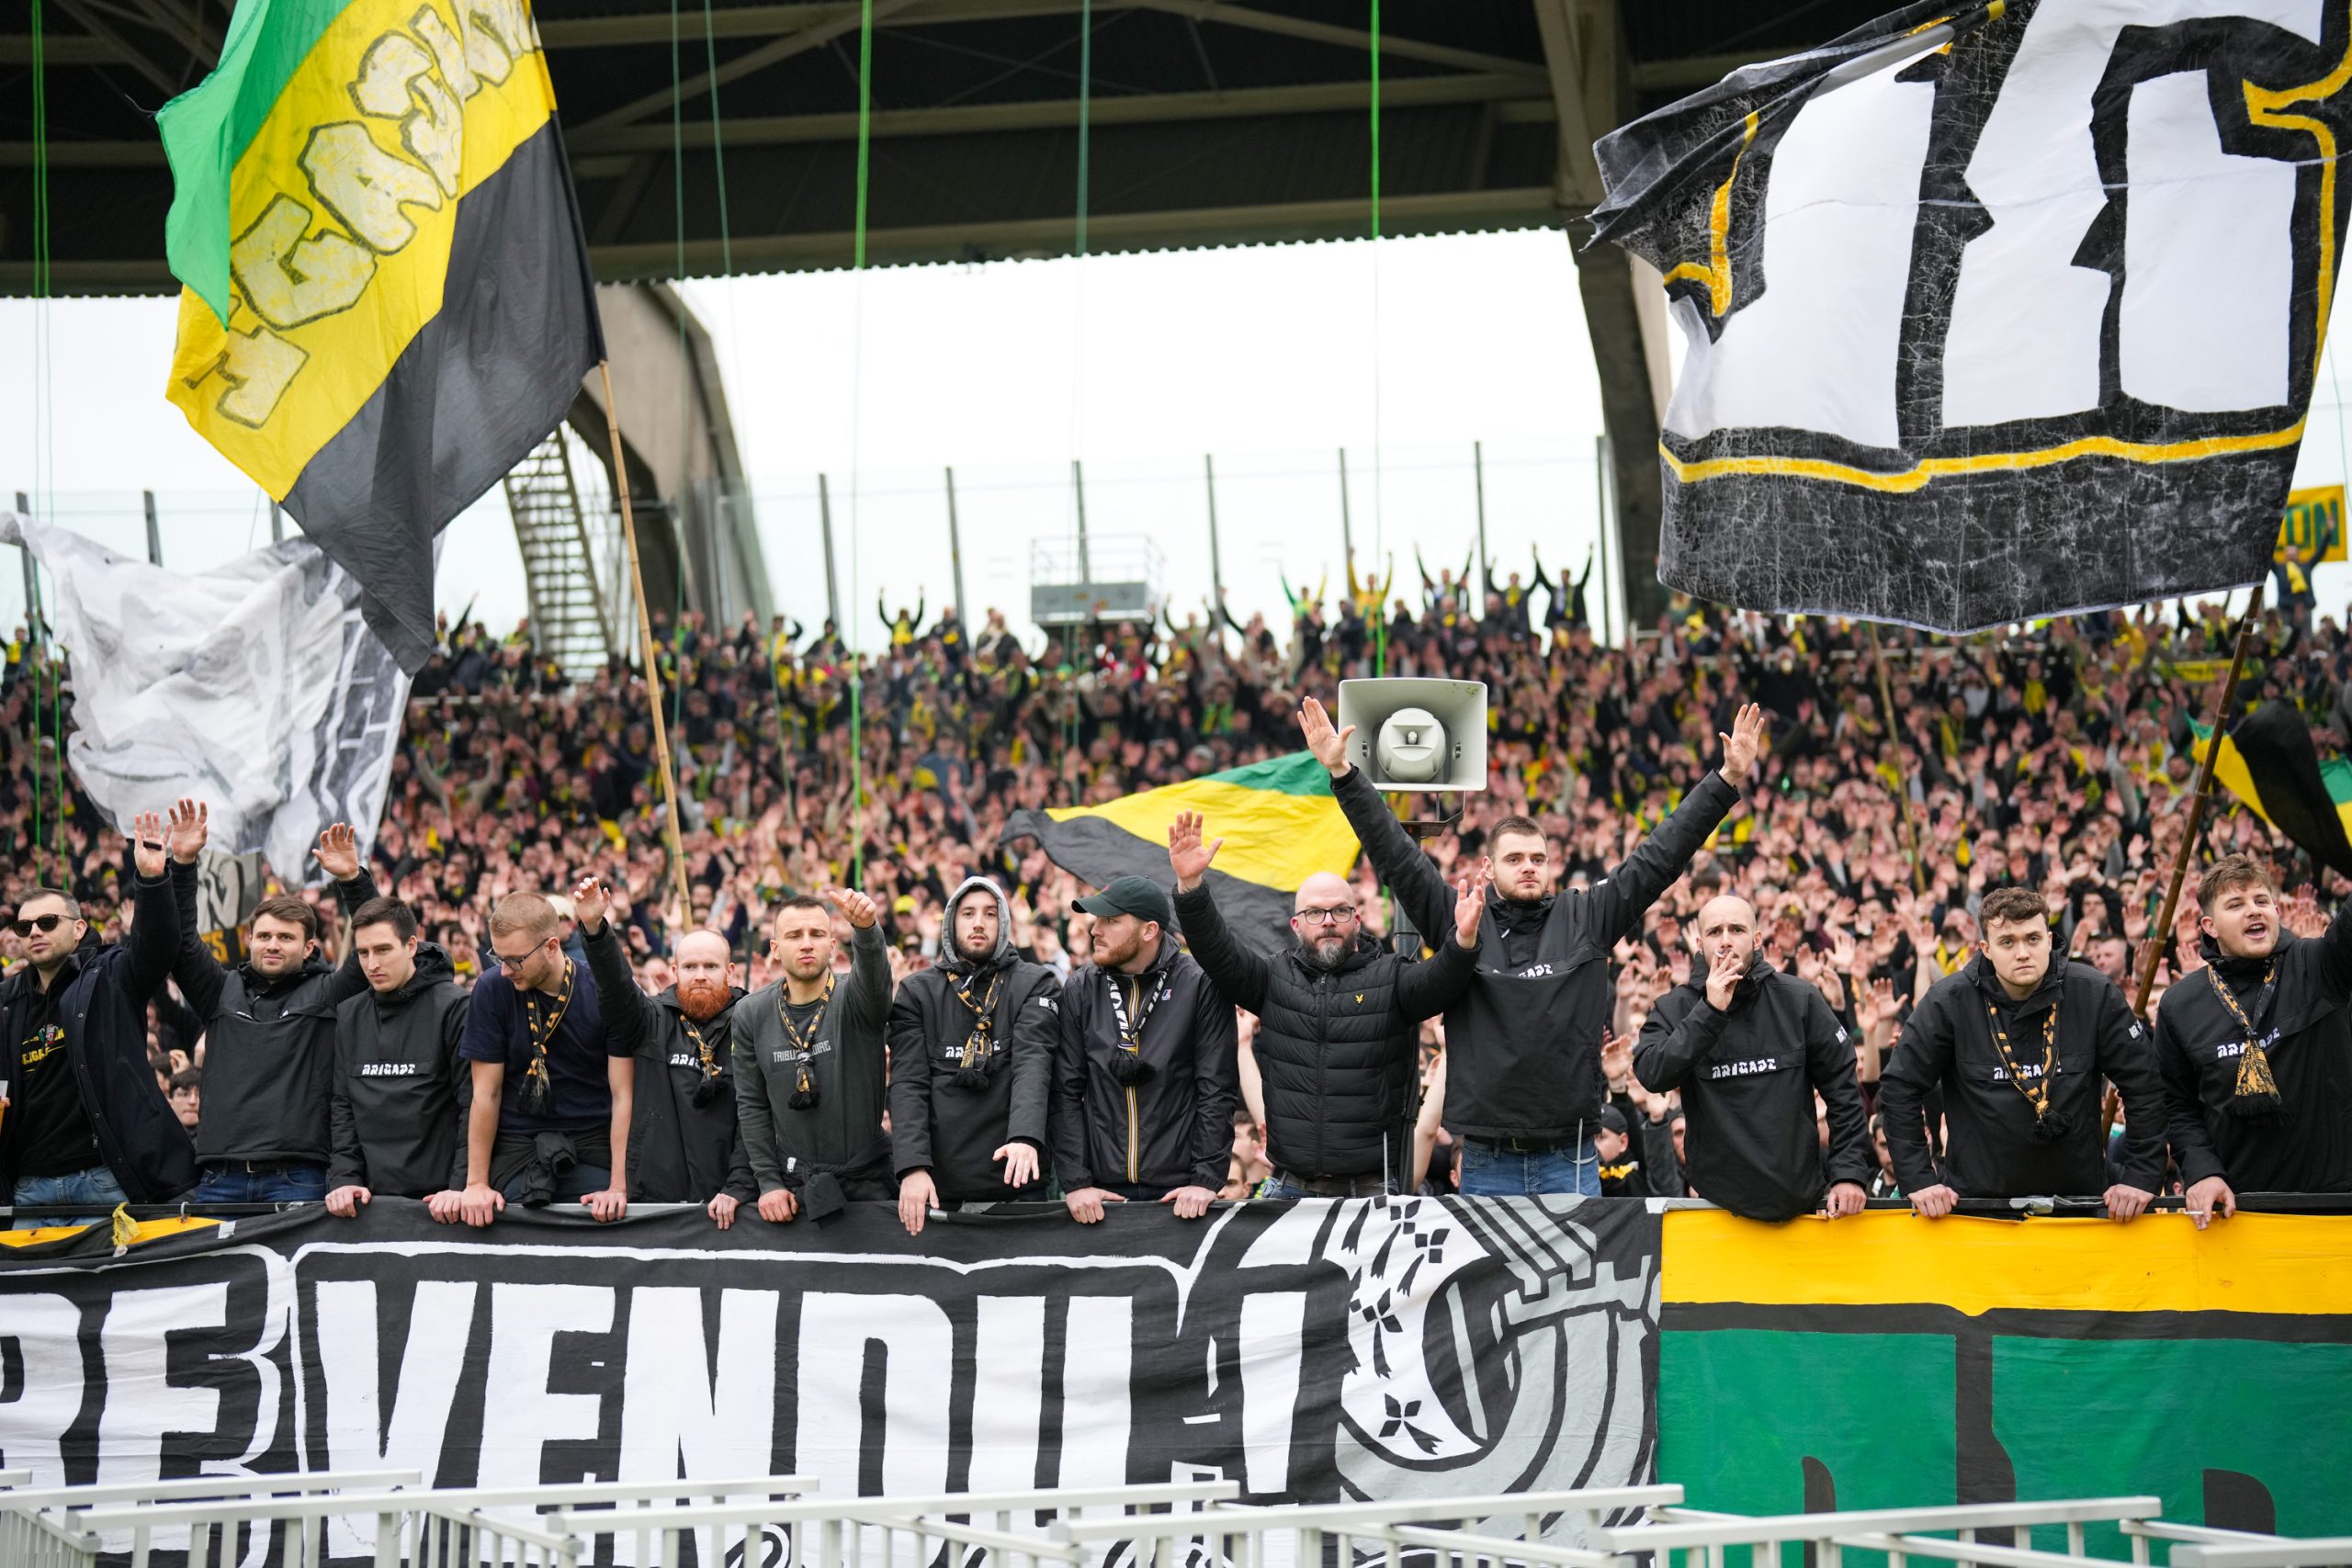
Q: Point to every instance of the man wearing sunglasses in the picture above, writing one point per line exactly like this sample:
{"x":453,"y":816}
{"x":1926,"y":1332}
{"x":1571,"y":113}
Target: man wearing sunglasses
{"x":1338,"y":1017}
{"x":82,"y":1125}
{"x":269,"y":1027}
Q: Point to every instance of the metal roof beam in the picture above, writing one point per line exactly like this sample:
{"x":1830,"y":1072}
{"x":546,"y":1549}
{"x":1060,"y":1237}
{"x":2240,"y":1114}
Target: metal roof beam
{"x":58,"y":49}
{"x":1235,"y":16}
{"x":125,"y":52}
{"x":773,"y":21}
{"x":1692,"y":72}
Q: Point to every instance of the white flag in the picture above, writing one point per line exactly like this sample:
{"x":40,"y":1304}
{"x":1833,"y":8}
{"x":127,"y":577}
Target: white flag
{"x":256,"y":687}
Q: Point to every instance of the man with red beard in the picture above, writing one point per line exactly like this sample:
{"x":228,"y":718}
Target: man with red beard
{"x":686,"y":1145}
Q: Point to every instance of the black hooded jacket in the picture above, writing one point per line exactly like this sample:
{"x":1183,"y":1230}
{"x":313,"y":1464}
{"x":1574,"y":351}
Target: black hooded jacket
{"x":1168,"y":1125}
{"x":2305,"y":1028}
{"x":269,"y":1042}
{"x":1523,"y":1044}
{"x":103,"y":1009}
{"x":1337,"y":1049}
{"x":950,"y":1119}
{"x":399,"y":1106}
{"x":1995,"y":1149}
{"x":1748,"y":1078}
{"x":685,"y":1140}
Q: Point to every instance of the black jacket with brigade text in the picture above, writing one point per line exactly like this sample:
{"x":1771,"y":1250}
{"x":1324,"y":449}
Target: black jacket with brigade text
{"x":2306,"y":1031}
{"x":1338,"y":1050}
{"x":1994,"y":1149}
{"x":948,"y":1117}
{"x":685,"y":1139}
{"x":401,"y":1094}
{"x":1174,"y":1126}
{"x":848,"y":1060}
{"x":1748,"y":1078}
{"x":103,"y":1010}
{"x":1524,"y":1043}
{"x":268,"y":1043}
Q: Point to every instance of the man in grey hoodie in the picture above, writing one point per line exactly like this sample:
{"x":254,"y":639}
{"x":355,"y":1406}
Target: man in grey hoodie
{"x":971,"y":1064}
{"x":809,"y":1064}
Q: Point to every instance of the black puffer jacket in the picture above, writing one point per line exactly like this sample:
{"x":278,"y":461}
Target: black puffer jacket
{"x":941,"y":1119}
{"x":1336,"y":1049}
{"x":1173,"y":1128}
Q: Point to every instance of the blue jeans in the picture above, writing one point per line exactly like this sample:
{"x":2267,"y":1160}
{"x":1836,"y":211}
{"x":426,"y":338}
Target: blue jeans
{"x":43,"y":1201}
{"x":1492,"y":1170}
{"x":231,"y":1183}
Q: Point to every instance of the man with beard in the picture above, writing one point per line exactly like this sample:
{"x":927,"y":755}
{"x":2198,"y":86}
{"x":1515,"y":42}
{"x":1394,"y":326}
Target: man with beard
{"x":685,"y":1141}
{"x":1337,"y":1041}
{"x":269,"y":1028}
{"x":2018,"y":1045}
{"x":2256,"y":1049}
{"x":971,"y":1064}
{"x":1748,"y":1047}
{"x":1144,"y":1070}
{"x":811,"y":1064}
{"x":399,"y":1085}
{"x":1524,"y":1087}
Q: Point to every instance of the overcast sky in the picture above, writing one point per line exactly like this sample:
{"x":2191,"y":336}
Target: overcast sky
{"x":1269,"y":359}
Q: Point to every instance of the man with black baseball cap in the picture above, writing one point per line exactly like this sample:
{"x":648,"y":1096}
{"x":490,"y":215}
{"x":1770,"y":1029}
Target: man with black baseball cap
{"x":1145,"y":1072}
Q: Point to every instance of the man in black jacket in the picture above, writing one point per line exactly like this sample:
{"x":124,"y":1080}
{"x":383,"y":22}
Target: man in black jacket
{"x":1145,"y":1069}
{"x":84,"y":1125}
{"x":971,"y":1064}
{"x":2020,"y":1041}
{"x":2256,"y":1049}
{"x":1338,"y":1045}
{"x":1748,"y":1047}
{"x":1524,"y":1087}
{"x":269,"y":1029}
{"x":400,"y":1091}
{"x":685,"y":1140}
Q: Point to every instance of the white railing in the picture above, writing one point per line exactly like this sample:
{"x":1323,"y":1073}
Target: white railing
{"x":45,"y":1527}
{"x":1702,"y":1538}
{"x":2328,"y":1552}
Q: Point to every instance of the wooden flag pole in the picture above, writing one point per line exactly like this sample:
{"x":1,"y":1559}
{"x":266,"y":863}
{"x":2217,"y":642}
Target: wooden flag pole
{"x":2196,"y":804}
{"x":645,"y":651}
{"x":1902,"y":786}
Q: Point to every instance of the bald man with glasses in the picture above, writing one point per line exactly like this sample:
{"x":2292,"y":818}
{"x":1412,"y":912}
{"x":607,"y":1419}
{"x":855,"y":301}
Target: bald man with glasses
{"x":1337,"y":1023}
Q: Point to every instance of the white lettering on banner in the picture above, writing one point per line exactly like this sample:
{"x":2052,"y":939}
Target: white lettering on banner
{"x":432,"y":1361}
{"x":1273,"y":1333}
{"x":1098,"y":1391}
{"x":136,"y":1344}
{"x":521,"y":1416}
{"x":678,"y":1415}
{"x":1009,"y":1340}
{"x":47,"y":1333}
{"x":913,"y":1345}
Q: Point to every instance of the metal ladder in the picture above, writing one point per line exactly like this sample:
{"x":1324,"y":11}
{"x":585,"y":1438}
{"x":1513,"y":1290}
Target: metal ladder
{"x":567,"y":621}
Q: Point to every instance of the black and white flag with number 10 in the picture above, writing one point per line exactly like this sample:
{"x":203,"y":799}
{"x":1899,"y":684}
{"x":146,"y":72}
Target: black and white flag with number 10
{"x":1995,"y":311}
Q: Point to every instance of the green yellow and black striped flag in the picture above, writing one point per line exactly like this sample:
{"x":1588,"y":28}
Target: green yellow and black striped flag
{"x":2269,"y":761}
{"x":387,"y":297}
{"x":1277,"y":818}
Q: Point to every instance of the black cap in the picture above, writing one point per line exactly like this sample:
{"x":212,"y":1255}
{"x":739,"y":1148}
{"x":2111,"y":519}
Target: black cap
{"x":1137,"y":895}
{"x":1613,"y":1120}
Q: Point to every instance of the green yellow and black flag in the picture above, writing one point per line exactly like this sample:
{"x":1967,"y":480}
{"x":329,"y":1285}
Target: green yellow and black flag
{"x":387,"y":297}
{"x":1278,"y":819}
{"x":2269,"y":761}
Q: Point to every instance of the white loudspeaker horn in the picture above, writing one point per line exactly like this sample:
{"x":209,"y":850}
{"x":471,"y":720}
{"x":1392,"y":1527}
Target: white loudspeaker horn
{"x":1421,"y":736}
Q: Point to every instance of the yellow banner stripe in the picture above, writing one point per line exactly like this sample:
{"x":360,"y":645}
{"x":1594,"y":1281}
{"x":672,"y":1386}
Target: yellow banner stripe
{"x":1271,"y":838}
{"x":341,"y":217}
{"x":148,"y":1230}
{"x":1918,"y":477}
{"x":2161,"y":1262}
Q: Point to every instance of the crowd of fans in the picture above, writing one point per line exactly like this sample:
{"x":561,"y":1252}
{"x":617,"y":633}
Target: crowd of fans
{"x":1905,"y":776}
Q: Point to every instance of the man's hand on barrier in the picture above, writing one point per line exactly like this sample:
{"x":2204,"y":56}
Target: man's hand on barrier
{"x":722,"y":1210}
{"x":345,"y":1203}
{"x":917,"y":1196}
{"x":778,"y":1207}
{"x":1085,"y":1205}
{"x":1933,"y":1203}
{"x":1843,"y":1197}
{"x":610,"y":1204}
{"x":446,"y":1205}
{"x":1019,"y":1162}
{"x":2210,"y":1199}
{"x":2126,"y":1203}
{"x":479,"y":1205}
{"x":1190,"y":1203}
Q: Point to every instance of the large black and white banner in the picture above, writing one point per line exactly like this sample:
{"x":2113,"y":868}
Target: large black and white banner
{"x":1993,"y":310}
{"x":1361,"y":1348}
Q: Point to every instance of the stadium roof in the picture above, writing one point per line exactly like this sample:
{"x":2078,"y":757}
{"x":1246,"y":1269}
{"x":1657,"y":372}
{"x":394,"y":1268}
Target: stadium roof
{"x":1212,"y":121}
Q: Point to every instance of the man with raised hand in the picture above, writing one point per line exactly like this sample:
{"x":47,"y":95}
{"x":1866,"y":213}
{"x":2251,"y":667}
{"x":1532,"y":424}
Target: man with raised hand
{"x":83,"y":1126}
{"x":1748,"y":1047}
{"x":811,"y":1064}
{"x":269,"y":1027}
{"x":685,"y":1139}
{"x":1337,"y":1043}
{"x":399,"y":1088}
{"x":1524,"y":1086}
{"x":2019,"y":1041}
{"x":972,"y":1065}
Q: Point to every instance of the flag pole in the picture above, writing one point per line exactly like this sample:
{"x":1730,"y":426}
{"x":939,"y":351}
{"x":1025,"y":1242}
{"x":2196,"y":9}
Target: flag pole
{"x":2196,"y":805}
{"x":645,"y":651}
{"x":1902,"y":786}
